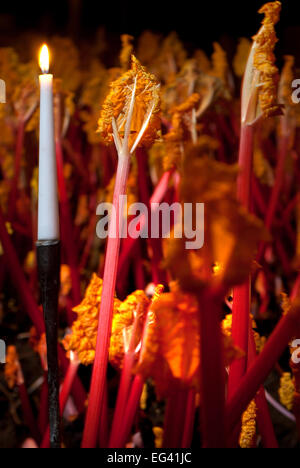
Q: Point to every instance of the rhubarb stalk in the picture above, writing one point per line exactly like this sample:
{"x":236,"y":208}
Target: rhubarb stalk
{"x":286,"y":138}
{"x":189,"y":424}
{"x":17,"y":169}
{"x":131,"y":409}
{"x":105,"y":315}
{"x":124,"y":387}
{"x":259,"y":100}
{"x":261,"y":367}
{"x":157,"y":197}
{"x":175,"y":417}
{"x":212,"y":370}
{"x":264,"y":421}
{"x":67,"y":227}
{"x":139,"y":87}
{"x":135,"y":392}
{"x":27,"y":412}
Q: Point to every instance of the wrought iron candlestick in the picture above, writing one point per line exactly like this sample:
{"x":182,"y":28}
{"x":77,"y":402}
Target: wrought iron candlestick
{"x":48,"y":257}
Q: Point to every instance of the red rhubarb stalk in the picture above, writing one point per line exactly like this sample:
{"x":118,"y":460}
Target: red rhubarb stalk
{"x":157,"y":197}
{"x":261,"y":368}
{"x":144,"y":183}
{"x":189,"y":423}
{"x":296,"y":288}
{"x":135,"y":392}
{"x":67,"y":227}
{"x":78,"y":391}
{"x":17,"y":169}
{"x":175,"y":417}
{"x":264,"y":421}
{"x":27,"y":412}
{"x":290,"y":208}
{"x":122,"y":398}
{"x":104,"y":426}
{"x":212,"y":370}
{"x":19,"y":280}
{"x":124,"y":387}
{"x":89,"y":243}
{"x":105,"y":315}
{"x":246,"y":165}
{"x":116,"y":225}
{"x":242,"y":294}
{"x":258,"y":197}
{"x":109,"y":282}
{"x":284,"y":144}
{"x":253,"y":94}
{"x":131,"y":410}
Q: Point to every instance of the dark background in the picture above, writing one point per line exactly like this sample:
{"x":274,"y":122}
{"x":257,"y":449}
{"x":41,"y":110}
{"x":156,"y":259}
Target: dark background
{"x":197,"y":22}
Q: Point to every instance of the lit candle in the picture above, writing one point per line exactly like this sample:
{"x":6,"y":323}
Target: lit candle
{"x":48,"y":213}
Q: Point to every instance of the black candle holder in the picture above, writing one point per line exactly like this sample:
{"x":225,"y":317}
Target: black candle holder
{"x":48,"y":259}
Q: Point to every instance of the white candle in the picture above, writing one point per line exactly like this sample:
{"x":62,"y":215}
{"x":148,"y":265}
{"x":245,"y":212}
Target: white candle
{"x":48,"y":211}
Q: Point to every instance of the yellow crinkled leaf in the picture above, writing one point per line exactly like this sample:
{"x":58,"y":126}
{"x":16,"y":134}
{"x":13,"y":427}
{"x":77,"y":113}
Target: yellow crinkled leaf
{"x":117,"y":104}
{"x":171,"y":350}
{"x":83,"y":338}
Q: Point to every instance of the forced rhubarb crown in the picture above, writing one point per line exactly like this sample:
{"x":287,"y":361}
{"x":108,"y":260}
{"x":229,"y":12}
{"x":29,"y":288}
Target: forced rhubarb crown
{"x":133,"y":98}
{"x":260,"y":86}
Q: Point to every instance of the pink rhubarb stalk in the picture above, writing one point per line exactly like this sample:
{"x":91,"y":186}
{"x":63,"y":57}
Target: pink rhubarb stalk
{"x":135,"y":392}
{"x":27,"y":412}
{"x":264,"y":421}
{"x":284,"y":144}
{"x":131,"y":410}
{"x":18,"y":278}
{"x":124,"y":387}
{"x":259,"y":82}
{"x":212,"y":370}
{"x":189,"y":424}
{"x":110,"y":270}
{"x":175,"y":417}
{"x":242,"y":294}
{"x":17,"y":169}
{"x":67,"y":226}
{"x":105,"y":316}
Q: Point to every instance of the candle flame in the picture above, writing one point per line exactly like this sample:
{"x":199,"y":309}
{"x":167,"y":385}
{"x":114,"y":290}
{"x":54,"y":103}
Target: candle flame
{"x":44,"y":59}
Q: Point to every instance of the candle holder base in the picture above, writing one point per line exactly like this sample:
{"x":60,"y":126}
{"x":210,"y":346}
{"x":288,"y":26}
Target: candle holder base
{"x":48,"y":259}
